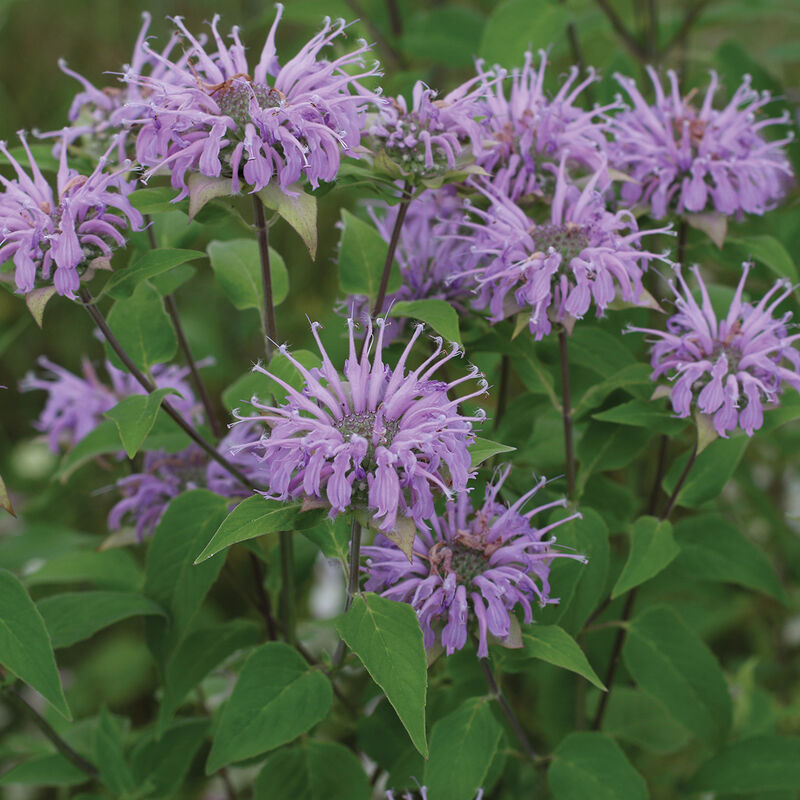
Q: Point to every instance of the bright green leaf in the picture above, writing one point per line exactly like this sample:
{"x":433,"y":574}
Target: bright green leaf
{"x":463,"y":745}
{"x":483,"y":449}
{"x":151,"y":264}
{"x":153,"y":200}
{"x":439,"y":314}
{"x":135,"y":416}
{"x":25,"y":647}
{"x":362,"y":253}
{"x":590,"y":765}
{"x":670,"y":662}
{"x":387,"y":638}
{"x":768,"y":251}
{"x":652,"y":549}
{"x":314,"y":771}
{"x":276,"y":698}
{"x":75,"y":616}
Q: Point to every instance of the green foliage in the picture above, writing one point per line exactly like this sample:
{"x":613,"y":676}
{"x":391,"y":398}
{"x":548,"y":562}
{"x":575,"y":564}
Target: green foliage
{"x":362,"y":253}
{"x":376,"y":630}
{"x":276,"y":698}
{"x":135,"y":416}
{"x":439,"y":314}
{"x":652,"y":549}
{"x":149,"y":265}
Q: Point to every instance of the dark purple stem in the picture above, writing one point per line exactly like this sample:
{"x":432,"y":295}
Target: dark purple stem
{"x":393,"y":241}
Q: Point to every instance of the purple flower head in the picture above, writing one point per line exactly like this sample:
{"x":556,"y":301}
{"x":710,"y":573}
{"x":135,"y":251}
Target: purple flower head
{"x":99,"y":115}
{"x":146,"y":495}
{"x":210,"y":113}
{"x":57,"y":239}
{"x":584,"y":253}
{"x":429,"y":254}
{"x":76,"y":403}
{"x":424,"y":142}
{"x":377,"y":438}
{"x":527,"y":131}
{"x":727,"y":367}
{"x":485,"y":562}
{"x":691,"y":159}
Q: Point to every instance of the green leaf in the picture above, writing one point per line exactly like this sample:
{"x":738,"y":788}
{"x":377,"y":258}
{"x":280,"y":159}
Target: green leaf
{"x":439,"y":314}
{"x":712,"y":549}
{"x":362,"y":253}
{"x":171,"y":577}
{"x":643,"y":414}
{"x":5,"y":502}
{"x":109,"y":569}
{"x":712,"y":223}
{"x":135,"y":416}
{"x":198,"y":654}
{"x":709,"y":474}
{"x":670,"y":662}
{"x":142,"y":327}
{"x":463,"y":745}
{"x":109,"y":755}
{"x":152,"y":263}
{"x":554,"y":645}
{"x":332,"y":537}
{"x":518,"y":25}
{"x":760,"y":764}
{"x":256,"y":516}
{"x":592,"y":347}
{"x":203,"y":189}
{"x":445,"y":36}
{"x":299,"y":211}
{"x":47,"y":770}
{"x":607,"y":446}
{"x":154,"y":201}
{"x":652,"y":549}
{"x":37,"y":300}
{"x":25,"y":647}
{"x":314,"y":771}
{"x":75,"y":616}
{"x":590,"y":765}
{"x":483,"y":449}
{"x":276,"y":698}
{"x":163,"y":761}
{"x":768,"y":251}
{"x":387,"y":638}
{"x":633,"y":378}
{"x":103,"y":439}
{"x":237,"y":267}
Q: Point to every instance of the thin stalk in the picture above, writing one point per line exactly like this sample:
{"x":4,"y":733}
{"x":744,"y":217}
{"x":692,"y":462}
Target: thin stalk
{"x":147,"y":385}
{"x":498,"y":695}
{"x":200,"y":387}
{"x":47,"y":729}
{"x":619,"y":641}
{"x":288,"y":613}
{"x":391,"y":56}
{"x":393,"y":241}
{"x":395,"y":18}
{"x":661,"y":466}
{"x":566,"y":415}
{"x":262,"y":601}
{"x":652,"y":31}
{"x":683,"y":238}
{"x":353,"y":580}
{"x":624,"y":34}
{"x":270,"y":328}
{"x":502,"y":397}
{"x":693,"y":13}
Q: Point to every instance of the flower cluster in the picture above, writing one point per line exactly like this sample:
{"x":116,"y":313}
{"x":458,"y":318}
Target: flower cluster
{"x":210,"y":113}
{"x":378,"y":438}
{"x":584,"y":253}
{"x":489,"y":561}
{"x":685,"y":158}
{"x":54,"y":239}
{"x":727,"y":367}
{"x":527,"y":132}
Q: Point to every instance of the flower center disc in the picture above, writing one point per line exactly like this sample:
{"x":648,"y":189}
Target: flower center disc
{"x":569,"y":240}
{"x":234,"y":99}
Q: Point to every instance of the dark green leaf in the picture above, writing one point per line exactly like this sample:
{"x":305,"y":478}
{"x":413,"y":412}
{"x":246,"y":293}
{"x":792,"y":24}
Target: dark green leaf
{"x":712,"y":549}
{"x":109,"y":569}
{"x":463,"y":745}
{"x":75,"y":616}
{"x":109,"y":755}
{"x":103,"y":439}
{"x":633,"y":378}
{"x":332,"y":537}
{"x":643,"y":414}
{"x":483,"y":449}
{"x":25,"y":647}
{"x":387,"y":638}
{"x":768,"y":251}
{"x":668,"y":661}
{"x":237,"y":266}
{"x":439,"y":314}
{"x":257,"y":516}
{"x":314,"y":771}
{"x":135,"y":416}
{"x":277,"y":697}
{"x":443,"y":35}
{"x":362,"y":253}
{"x":153,"y":201}
{"x":652,"y":549}
{"x":152,"y":263}
{"x":46,"y":770}
{"x":760,"y":764}
{"x":590,"y":765}
{"x":143,"y":329}
{"x":607,"y":446}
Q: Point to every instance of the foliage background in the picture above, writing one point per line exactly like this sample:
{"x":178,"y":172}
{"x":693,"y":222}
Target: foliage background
{"x":756,"y":638}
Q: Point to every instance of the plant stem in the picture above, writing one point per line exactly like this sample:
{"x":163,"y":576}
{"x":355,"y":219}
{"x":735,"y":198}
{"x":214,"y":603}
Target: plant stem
{"x":498,"y":695}
{"x":692,"y":15}
{"x":393,"y":241}
{"x":566,"y":414}
{"x":200,"y":387}
{"x":353,"y":580}
{"x":502,"y":397}
{"x":619,"y":641}
{"x":661,"y":465}
{"x":270,"y":329}
{"x":619,"y":26}
{"x":47,"y":729}
{"x":395,"y":19}
{"x":652,"y":31}
{"x":683,"y":238}
{"x":148,"y":386}
{"x":288,"y":615}
{"x":262,"y":601}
